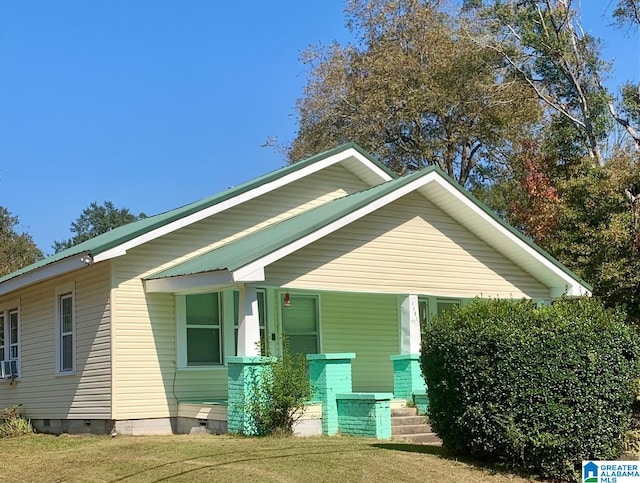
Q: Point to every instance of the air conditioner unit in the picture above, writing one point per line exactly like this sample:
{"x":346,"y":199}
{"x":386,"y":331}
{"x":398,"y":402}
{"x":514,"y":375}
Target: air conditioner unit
{"x":9,"y":369}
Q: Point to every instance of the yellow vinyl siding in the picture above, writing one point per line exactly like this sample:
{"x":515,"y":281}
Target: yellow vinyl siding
{"x":85,"y":394}
{"x":366,"y":324}
{"x":415,"y":248}
{"x":145,"y":330}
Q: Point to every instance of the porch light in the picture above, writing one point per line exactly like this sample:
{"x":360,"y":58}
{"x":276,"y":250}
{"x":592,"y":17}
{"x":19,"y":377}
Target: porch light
{"x":287,"y":300}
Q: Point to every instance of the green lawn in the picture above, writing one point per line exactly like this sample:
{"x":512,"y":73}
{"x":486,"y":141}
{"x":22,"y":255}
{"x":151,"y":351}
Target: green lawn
{"x":225,"y":458}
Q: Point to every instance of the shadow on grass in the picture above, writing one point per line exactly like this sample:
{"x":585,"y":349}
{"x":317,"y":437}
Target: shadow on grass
{"x":435,"y":450}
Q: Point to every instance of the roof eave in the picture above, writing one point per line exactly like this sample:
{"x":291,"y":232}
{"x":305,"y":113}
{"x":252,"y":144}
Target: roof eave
{"x":191,"y":283}
{"x":46,"y":272}
{"x":344,"y":153}
{"x":565,"y":281}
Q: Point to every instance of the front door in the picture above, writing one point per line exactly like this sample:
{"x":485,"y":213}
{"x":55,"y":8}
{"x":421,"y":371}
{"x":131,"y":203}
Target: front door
{"x":300,"y":323}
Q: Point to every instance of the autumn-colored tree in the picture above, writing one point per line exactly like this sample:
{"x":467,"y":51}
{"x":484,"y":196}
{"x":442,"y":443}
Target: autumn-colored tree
{"x":535,"y":211}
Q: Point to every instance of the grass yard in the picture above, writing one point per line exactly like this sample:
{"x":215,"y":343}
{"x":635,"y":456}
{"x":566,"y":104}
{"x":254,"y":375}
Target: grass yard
{"x":224,"y":458}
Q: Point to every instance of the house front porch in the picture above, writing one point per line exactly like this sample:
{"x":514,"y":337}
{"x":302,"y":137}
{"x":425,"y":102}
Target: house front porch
{"x":334,"y":406}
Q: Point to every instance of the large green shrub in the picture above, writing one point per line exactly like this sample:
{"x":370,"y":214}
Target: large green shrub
{"x":539,"y":389}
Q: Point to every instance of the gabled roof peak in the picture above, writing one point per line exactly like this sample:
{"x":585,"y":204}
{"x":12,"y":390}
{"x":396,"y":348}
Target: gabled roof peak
{"x":117,"y":241}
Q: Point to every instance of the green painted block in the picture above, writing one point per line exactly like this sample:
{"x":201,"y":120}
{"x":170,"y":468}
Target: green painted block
{"x":330,"y":374}
{"x":421,"y":400}
{"x":365,"y":414}
{"x":241,"y":373}
{"x":407,"y":376}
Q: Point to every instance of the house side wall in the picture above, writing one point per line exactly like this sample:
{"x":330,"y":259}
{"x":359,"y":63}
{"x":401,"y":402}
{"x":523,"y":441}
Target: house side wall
{"x":366,"y":324}
{"x":85,"y":394}
{"x":146,"y":383}
{"x":416,"y":248}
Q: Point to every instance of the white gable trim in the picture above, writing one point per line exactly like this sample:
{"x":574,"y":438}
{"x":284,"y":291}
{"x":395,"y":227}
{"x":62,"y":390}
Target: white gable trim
{"x":571,"y":288}
{"x":48,"y":271}
{"x":566,"y":286}
{"x":242,"y":198}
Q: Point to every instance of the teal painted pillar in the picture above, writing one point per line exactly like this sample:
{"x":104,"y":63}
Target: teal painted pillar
{"x":330,"y":374}
{"x":407,"y":376}
{"x":242,"y":372}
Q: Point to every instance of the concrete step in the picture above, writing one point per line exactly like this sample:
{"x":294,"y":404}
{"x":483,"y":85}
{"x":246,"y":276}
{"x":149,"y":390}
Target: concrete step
{"x":420,"y":438}
{"x":406,"y":411}
{"x":411,"y":429}
{"x":404,"y":420}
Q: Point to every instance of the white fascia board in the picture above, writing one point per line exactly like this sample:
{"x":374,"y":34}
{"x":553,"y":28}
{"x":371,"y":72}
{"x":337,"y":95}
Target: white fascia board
{"x":237,"y":200}
{"x":46,"y":272}
{"x":332,"y":227}
{"x":569,"y":291}
{"x":188,"y":282}
{"x":351,"y":152}
{"x":571,"y":286}
{"x":257,"y":276}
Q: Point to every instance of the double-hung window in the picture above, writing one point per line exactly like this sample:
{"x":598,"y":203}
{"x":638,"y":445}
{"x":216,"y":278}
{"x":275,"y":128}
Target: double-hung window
{"x":201,"y":330}
{"x":65,"y":332}
{"x":10,"y":334}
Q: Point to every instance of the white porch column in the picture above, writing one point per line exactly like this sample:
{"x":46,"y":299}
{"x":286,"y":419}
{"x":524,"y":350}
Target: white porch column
{"x":248,"y":322}
{"x":410,"y":337}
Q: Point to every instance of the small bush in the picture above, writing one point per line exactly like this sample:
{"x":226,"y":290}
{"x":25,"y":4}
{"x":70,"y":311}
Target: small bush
{"x":280,"y":391}
{"x":539,"y":389}
{"x":14,"y":423}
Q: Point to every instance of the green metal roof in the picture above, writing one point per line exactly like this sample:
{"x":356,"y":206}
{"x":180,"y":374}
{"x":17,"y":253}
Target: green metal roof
{"x":260,"y":243}
{"x":241,"y":252}
{"x":128,"y":232}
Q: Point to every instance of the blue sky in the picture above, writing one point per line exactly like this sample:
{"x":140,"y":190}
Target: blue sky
{"x":154,"y":104}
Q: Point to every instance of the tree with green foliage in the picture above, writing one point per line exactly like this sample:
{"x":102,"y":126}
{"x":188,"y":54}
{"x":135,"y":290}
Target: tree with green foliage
{"x":17,"y":250}
{"x":96,"y":220}
{"x":537,"y":389}
{"x":627,"y":114}
{"x":413,"y":91}
{"x":543,"y":42}
{"x":627,"y":12}
{"x":597,"y":231}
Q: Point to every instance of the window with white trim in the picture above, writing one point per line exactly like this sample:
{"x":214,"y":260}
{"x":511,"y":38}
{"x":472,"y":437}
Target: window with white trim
{"x":14,"y":335}
{"x":10,"y":334}
{"x":199,"y":330}
{"x":446,"y":305}
{"x":429,"y":307}
{"x":65,"y":328}
{"x":66,"y":333}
